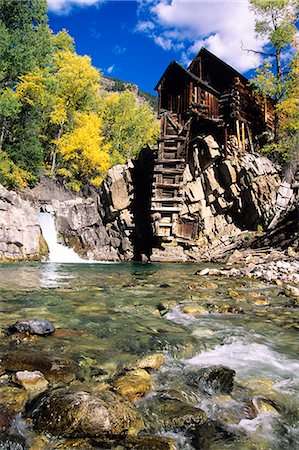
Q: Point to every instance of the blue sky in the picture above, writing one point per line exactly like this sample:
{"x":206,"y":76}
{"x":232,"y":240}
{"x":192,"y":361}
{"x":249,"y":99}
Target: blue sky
{"x":136,"y":40}
{"x":108,"y":34}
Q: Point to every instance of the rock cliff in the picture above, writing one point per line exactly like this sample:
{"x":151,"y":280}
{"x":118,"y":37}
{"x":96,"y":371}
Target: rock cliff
{"x":20,"y":234}
{"x":221,"y":197}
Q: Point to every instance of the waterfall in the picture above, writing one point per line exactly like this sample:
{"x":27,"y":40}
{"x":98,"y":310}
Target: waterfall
{"x":57,"y":252}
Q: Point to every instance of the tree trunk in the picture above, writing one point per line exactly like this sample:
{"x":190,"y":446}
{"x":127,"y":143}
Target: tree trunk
{"x":279,"y":75}
{"x":53,"y":165}
{"x":2,"y":135}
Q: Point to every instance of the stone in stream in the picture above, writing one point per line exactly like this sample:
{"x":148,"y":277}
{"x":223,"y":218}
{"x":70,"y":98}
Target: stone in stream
{"x":218,"y":379}
{"x":40,"y":327}
{"x":134,"y":384}
{"x":56,"y":369}
{"x":144,"y":442}
{"x":203,"y":272}
{"x":6,"y":416}
{"x":291,"y":291}
{"x":206,"y":435}
{"x":194,"y":310}
{"x":153,"y":361}
{"x":34,"y":382}
{"x":13,"y":397}
{"x":171,"y":414}
{"x":66,"y":412}
{"x":149,"y":443}
{"x":260,"y":405}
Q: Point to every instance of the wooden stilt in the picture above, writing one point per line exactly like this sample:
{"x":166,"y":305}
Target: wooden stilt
{"x":225,"y":142}
{"x":243,"y":136}
{"x":249,"y":138}
{"x":238,"y":133}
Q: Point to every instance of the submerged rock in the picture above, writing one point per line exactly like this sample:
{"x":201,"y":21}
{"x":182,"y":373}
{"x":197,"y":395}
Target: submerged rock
{"x":13,"y":397}
{"x":6,"y":416}
{"x":40,"y":327}
{"x":78,"y":413}
{"x":149,"y":443}
{"x":218,"y":379}
{"x":134,"y":384}
{"x":57,"y":370}
{"x":153,"y":361}
{"x":194,"y":310}
{"x":145,"y":442}
{"x":225,"y":309}
{"x":172,"y":414}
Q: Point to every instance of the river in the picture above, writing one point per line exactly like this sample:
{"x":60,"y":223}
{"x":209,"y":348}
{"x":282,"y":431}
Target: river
{"x":123,"y":311}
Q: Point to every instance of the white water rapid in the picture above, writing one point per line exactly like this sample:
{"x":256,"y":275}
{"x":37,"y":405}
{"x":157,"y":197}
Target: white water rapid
{"x":58,"y":253}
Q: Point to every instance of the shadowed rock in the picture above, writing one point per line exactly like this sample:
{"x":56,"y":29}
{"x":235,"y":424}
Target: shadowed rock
{"x":218,"y":379}
{"x":77,"y":413}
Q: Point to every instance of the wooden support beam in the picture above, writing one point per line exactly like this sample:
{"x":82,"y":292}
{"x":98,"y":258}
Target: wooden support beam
{"x":238,"y":133}
{"x":173,"y":201}
{"x":249,"y":138}
{"x":165,"y":209}
{"x":243,"y":136}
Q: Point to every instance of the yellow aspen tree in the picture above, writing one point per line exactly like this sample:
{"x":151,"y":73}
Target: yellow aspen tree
{"x":74,"y":86}
{"x":84,"y":155}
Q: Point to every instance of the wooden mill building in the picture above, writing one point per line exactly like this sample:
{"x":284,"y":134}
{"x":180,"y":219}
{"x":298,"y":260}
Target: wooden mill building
{"x":210,"y":97}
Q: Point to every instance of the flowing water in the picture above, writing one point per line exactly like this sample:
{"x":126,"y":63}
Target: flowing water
{"x":57,"y":252}
{"x":123,"y":311}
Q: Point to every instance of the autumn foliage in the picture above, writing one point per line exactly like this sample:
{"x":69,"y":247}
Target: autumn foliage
{"x":54,"y":116}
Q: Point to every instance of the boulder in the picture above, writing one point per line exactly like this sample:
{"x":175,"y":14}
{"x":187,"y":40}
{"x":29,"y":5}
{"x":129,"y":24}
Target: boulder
{"x":65,"y":412}
{"x":40,"y":327}
{"x":216,"y":379}
{"x":34,"y":382}
{"x":134,"y":384}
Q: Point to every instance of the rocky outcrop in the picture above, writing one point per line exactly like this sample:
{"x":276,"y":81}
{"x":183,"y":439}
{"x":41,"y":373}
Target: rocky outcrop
{"x":96,"y":225}
{"x":222,"y":195}
{"x":20,"y":233}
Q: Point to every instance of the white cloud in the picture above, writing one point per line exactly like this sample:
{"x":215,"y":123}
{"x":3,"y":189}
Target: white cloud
{"x":111,"y":69}
{"x":145,"y":26}
{"x":118,"y":50}
{"x":222,"y":26}
{"x":64,"y":6}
